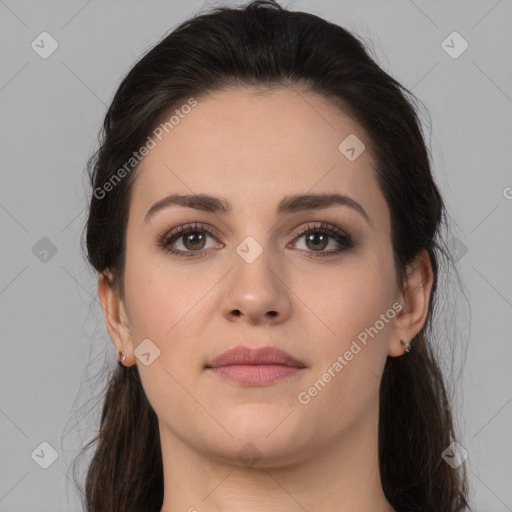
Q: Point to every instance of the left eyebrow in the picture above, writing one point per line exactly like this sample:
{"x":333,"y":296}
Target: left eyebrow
{"x":289,"y":204}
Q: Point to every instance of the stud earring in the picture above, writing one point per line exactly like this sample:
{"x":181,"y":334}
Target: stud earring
{"x":122,"y":357}
{"x":407,"y":345}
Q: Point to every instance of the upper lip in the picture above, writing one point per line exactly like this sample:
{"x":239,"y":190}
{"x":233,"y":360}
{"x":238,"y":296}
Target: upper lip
{"x":247,"y":355}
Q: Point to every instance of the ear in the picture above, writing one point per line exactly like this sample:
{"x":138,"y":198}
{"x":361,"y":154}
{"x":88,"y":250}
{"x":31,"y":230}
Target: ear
{"x":415,"y":300}
{"x":115,"y":315}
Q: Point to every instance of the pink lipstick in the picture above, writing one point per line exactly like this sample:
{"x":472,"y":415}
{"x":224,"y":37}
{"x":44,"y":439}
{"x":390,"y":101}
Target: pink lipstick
{"x":254,"y":367}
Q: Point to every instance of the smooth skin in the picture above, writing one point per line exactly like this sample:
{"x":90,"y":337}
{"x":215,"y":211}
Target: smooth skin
{"x":252,"y":148}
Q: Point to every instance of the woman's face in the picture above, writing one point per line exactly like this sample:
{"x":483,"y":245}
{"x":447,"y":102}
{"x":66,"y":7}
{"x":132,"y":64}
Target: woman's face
{"x":249,"y":277}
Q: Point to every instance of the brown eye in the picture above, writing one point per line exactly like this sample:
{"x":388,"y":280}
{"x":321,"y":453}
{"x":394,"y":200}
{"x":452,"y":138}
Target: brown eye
{"x":187,"y":241}
{"x":193,"y":240}
{"x":317,"y":238}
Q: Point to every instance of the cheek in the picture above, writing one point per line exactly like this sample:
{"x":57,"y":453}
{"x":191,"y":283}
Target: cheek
{"x":154,"y":297}
{"x":346,"y":377}
{"x":347,"y":300}
{"x":165,"y":305}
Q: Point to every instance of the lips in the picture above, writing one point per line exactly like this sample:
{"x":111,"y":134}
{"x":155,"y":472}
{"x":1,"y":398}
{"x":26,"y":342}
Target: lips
{"x":246,"y":356}
{"x":244,"y":366}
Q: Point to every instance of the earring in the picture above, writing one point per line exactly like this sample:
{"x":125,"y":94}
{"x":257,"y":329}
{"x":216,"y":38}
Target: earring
{"x":406,"y":344}
{"x":122,"y":357}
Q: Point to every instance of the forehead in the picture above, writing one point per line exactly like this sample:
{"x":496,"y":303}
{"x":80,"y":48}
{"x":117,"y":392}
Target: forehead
{"x":254,"y":147}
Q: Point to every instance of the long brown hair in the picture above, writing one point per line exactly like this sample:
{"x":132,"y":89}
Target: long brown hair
{"x":265,"y":45}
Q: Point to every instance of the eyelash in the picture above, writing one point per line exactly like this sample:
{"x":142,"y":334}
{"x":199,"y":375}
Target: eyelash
{"x":337,"y":234}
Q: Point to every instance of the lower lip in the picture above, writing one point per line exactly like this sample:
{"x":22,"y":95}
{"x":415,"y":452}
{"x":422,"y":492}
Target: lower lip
{"x":255,"y":374}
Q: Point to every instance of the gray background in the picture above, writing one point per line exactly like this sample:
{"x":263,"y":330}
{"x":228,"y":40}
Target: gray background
{"x":53,"y":336}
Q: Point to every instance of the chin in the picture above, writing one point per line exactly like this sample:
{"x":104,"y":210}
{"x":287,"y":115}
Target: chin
{"x":259,"y":433}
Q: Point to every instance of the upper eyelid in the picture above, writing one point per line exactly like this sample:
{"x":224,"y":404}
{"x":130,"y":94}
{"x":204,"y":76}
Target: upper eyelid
{"x":191,"y":226}
{"x":309,"y":226}
{"x":299,"y":230}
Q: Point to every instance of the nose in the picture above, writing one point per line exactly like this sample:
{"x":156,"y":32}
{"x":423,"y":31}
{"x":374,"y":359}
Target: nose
{"x":256,"y":292}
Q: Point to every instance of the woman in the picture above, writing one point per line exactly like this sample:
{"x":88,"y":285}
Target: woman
{"x":265,"y":227}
